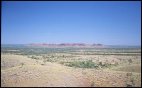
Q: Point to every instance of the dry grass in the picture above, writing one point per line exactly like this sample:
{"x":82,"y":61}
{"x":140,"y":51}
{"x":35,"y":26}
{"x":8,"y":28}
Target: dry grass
{"x":20,"y":70}
{"x":130,"y":68}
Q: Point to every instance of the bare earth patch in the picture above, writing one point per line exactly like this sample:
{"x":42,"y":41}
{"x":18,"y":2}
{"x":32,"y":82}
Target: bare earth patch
{"x":38,"y":75}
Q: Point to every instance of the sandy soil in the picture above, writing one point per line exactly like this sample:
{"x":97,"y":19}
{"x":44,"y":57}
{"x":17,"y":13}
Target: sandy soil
{"x":17,"y":70}
{"x":32,"y":73}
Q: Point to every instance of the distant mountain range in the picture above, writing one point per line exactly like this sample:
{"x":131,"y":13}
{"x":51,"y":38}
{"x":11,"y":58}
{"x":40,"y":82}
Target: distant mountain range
{"x":67,"y":45}
{"x":62,"y":45}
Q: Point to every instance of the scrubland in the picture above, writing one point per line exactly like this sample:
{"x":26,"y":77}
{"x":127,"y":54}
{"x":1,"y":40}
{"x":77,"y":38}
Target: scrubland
{"x":70,"y":67}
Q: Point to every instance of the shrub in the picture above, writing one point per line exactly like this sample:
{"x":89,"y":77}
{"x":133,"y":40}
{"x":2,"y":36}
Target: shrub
{"x":83,"y":64}
{"x":51,"y":60}
{"x":43,"y":64}
{"x":106,"y":65}
{"x":33,"y":57}
{"x":61,"y":62}
{"x":92,"y":84}
{"x":130,"y":61}
{"x":52,"y":56}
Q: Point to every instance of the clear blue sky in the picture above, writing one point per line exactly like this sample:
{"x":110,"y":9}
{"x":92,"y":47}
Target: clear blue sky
{"x":109,"y":23}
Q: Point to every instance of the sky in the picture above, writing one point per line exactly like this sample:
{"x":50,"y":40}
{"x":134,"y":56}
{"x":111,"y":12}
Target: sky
{"x":105,"y":22}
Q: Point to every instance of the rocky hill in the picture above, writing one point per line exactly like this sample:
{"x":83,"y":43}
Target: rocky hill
{"x":67,"y":45}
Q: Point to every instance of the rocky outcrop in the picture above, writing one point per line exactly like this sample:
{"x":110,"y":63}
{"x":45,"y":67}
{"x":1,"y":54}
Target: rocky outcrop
{"x":68,"y":45}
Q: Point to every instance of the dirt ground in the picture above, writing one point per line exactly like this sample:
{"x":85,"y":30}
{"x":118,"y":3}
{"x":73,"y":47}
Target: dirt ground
{"x":18,"y":71}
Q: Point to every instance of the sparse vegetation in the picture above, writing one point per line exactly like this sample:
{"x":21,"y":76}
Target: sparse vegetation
{"x":83,"y":64}
{"x":50,"y":60}
{"x":130,"y":80}
{"x":130,"y":61}
{"x":93,"y":63}
{"x":34,"y":57}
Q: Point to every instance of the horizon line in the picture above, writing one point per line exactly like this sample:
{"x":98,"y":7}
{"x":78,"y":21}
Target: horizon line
{"x":71,"y":43}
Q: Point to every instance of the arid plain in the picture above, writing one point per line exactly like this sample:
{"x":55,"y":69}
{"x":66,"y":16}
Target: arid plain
{"x":70,"y":67}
